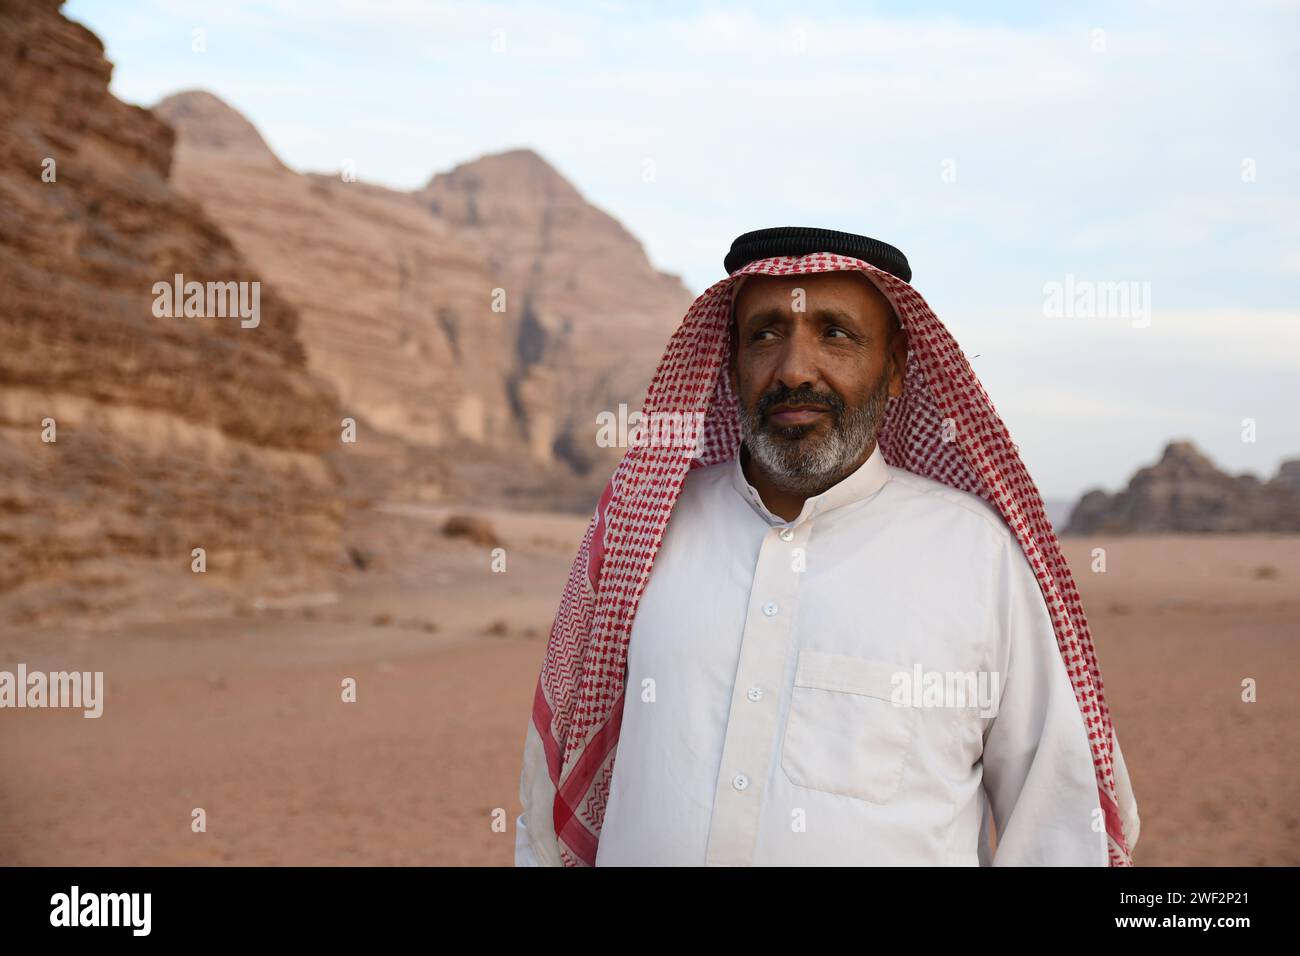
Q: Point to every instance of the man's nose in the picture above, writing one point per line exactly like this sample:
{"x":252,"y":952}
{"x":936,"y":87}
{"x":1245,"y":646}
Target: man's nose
{"x":797,"y":363}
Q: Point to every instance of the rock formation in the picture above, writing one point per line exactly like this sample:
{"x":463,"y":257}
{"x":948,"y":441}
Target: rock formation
{"x":1186,"y":492}
{"x":129,"y":438}
{"x":590,"y":317}
{"x":490,"y":316}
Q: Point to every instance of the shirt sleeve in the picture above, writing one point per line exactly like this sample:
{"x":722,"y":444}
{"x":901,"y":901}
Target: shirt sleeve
{"x":1038,"y":770}
{"x":524,"y":855}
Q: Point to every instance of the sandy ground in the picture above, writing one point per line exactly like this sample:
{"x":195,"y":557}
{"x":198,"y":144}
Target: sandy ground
{"x":243,"y":717}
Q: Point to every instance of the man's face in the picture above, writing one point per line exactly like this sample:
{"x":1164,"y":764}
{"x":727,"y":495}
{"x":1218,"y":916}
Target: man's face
{"x":814,"y":361}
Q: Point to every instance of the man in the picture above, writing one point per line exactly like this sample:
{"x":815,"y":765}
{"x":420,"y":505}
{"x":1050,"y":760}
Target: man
{"x":834,"y":629}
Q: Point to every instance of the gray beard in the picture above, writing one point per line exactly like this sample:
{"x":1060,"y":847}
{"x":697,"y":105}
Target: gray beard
{"x":810,"y":465}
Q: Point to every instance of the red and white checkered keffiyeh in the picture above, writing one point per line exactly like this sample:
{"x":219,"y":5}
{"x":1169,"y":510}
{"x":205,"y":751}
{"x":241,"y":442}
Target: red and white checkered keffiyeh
{"x":578,"y":705}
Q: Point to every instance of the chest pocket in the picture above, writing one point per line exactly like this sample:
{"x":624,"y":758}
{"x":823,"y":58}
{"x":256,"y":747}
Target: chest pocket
{"x":843,"y":733}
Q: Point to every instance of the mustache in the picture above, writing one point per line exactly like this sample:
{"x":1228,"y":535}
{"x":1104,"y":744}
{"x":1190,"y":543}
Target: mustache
{"x":784,"y":395}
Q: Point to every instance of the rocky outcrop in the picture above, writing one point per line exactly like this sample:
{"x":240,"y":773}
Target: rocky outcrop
{"x":490,"y":316}
{"x":129,"y":438}
{"x":589,"y":316}
{"x":389,"y":300}
{"x":1186,"y":492}
{"x":1288,"y":475}
{"x":210,"y":126}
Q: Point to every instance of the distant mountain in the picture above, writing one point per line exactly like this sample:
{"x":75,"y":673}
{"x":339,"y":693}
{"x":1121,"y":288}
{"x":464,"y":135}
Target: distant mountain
{"x":128,"y":439}
{"x":488,"y":317}
{"x":209,"y":125}
{"x":1186,"y":492}
{"x":592,"y":315}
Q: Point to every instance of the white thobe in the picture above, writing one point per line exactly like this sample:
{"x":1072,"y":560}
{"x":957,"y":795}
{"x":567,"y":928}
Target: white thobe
{"x":777,"y":710}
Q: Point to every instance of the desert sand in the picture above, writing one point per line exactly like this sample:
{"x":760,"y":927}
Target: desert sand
{"x":243,"y":716}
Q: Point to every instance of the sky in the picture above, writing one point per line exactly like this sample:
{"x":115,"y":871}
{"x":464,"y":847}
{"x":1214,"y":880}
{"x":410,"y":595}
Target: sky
{"x":1101,"y":201}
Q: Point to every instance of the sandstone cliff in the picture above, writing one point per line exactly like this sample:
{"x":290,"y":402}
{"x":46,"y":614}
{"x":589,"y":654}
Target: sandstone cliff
{"x":129,"y":439}
{"x":590,"y":317}
{"x":1186,"y":492}
{"x":488,"y":317}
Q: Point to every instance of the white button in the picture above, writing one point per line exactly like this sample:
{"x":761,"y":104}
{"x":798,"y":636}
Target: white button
{"x":754,"y":693}
{"x":787,"y":534}
{"x":769,"y":608}
{"x":740,"y":781}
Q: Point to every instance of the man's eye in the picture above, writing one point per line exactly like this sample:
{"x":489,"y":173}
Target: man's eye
{"x":762,"y":332}
{"x":836,"y":329}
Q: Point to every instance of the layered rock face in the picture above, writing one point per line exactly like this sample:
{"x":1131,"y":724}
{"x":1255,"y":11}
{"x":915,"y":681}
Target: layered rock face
{"x":1186,"y":492}
{"x":590,"y":318}
{"x":490,"y":316}
{"x":387,"y":296}
{"x":129,"y":438}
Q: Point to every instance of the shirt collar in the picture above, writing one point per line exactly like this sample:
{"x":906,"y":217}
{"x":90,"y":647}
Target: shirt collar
{"x":859,"y":485}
